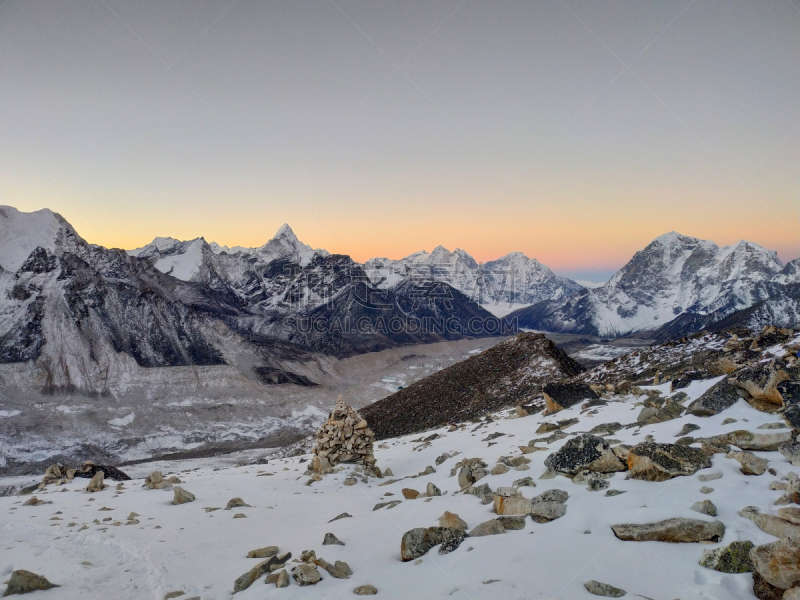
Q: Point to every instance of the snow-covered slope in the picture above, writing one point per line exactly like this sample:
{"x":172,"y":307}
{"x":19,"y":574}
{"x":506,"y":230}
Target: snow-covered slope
{"x":81,"y":540}
{"x":511,"y":279}
{"x":674,"y":275}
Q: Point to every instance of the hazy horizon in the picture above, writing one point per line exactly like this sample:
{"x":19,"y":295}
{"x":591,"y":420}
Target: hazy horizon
{"x":571,"y":131}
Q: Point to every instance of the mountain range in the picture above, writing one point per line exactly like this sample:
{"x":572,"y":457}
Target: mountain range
{"x":81,"y":313}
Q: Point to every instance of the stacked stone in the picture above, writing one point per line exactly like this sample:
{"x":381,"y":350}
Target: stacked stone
{"x":343,"y":438}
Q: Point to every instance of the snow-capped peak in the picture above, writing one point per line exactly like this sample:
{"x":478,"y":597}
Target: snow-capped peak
{"x":22,"y":232}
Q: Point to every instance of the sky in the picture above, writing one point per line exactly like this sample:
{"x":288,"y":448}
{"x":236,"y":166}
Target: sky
{"x":573,"y":131}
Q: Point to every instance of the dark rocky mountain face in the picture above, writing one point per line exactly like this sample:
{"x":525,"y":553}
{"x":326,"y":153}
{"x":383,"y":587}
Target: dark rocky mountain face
{"x":77,"y":310}
{"x":512,"y":372}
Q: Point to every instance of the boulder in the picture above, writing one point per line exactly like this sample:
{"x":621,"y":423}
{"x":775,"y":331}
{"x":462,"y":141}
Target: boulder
{"x":751,"y":464}
{"x":760,"y":381}
{"x":603,"y":589}
{"x":778,"y":563}
{"x":89,"y":470}
{"x":24,"y":582}
{"x":490,"y":527}
{"x":452,"y":521}
{"x":409,"y":494}
{"x":432,"y":490}
{"x":764,"y":590}
{"x":714,"y":400}
{"x":417,"y":542}
{"x":235,"y":503}
{"x":733,"y":558}
{"x":658,"y":462}
{"x":306,"y":574}
{"x":181,"y":496}
{"x":558,"y":396}
{"x":678,"y":530}
{"x":584,"y":452}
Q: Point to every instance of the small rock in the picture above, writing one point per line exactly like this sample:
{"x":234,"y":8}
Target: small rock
{"x":678,"y":530}
{"x":388,"y":472}
{"x":365,"y":590}
{"x":452,"y":521}
{"x":490,"y":527}
{"x":705,"y":507}
{"x":386,"y":505}
{"x":734,"y":558}
{"x":264,"y":552}
{"x":419,"y":541}
{"x":513,"y":523}
{"x":706,"y":490}
{"x":584,"y":452}
{"x":344,"y":515}
{"x":96,"y":482}
{"x":614,"y":492}
{"x":24,"y":582}
{"x":432,"y":490}
{"x":235,"y":503}
{"x":331,"y":540}
{"x":181,"y":496}
{"x":500,"y":468}
{"x":175,"y":594}
{"x":240,"y":516}
{"x":687,"y":429}
{"x":306,"y":574}
{"x":409,"y":494}
{"x":250,"y":577}
{"x":709,"y":476}
{"x":771,"y":524}
{"x":603,"y":589}
{"x":792,"y":453}
{"x":524,"y":482}
{"x":751,"y":464}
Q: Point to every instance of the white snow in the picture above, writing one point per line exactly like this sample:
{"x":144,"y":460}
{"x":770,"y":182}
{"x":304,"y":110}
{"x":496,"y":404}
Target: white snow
{"x":183,"y":548}
{"x":122,"y":421}
{"x":4,"y":414}
{"x":21,"y":233}
{"x":183,"y":266}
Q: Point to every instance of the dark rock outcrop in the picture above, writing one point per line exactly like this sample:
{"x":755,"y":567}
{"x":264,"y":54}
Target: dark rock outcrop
{"x":511,"y":372}
{"x":585,"y":452}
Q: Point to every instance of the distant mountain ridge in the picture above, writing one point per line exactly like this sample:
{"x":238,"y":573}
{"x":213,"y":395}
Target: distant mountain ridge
{"x":674,"y":277}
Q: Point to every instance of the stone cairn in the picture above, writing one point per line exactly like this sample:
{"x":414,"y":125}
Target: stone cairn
{"x":343,"y":438}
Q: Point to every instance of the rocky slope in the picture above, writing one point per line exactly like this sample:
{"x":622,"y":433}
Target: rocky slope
{"x":633,"y":494}
{"x":512,"y":372}
{"x":674,"y":277}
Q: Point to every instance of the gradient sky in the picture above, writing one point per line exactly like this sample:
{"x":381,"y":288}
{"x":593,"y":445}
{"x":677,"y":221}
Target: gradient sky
{"x":573,"y":131}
